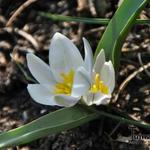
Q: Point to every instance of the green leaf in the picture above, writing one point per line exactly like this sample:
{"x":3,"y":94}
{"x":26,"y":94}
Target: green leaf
{"x":126,"y":120}
{"x":75,"y":19}
{"x":54,"y":122}
{"x":63,"y":119}
{"x":118,"y":28}
{"x":101,"y":21}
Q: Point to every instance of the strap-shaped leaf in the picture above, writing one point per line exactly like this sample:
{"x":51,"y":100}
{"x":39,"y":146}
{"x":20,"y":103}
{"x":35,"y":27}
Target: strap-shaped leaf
{"x":58,"y":121}
{"x":118,"y":28}
{"x":87,"y":20}
{"x":54,"y":122}
{"x":57,"y":17}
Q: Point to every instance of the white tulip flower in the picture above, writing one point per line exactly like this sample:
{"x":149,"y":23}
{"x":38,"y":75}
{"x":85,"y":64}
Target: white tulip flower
{"x":102,"y":81}
{"x":65,"y":80}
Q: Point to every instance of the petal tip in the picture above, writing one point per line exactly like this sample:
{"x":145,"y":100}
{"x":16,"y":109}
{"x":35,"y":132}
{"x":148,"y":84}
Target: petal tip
{"x":109,"y":63}
{"x":84,"y":39}
{"x":58,"y":35}
{"x":102,"y":52}
{"x":29,"y":56}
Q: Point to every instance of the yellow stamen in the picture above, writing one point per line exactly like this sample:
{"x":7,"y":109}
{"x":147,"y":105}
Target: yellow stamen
{"x":97,"y":80}
{"x":99,"y":86}
{"x":65,"y":87}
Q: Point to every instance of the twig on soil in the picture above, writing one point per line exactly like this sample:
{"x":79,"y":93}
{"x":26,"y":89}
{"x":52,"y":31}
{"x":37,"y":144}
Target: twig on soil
{"x":79,"y":35}
{"x":19,"y":11}
{"x":80,"y":31}
{"x":92,"y":8}
{"x":28,"y":37}
{"x":141,"y":63}
{"x":91,"y":31}
{"x":2,"y":19}
{"x":114,"y":130}
{"x":82,"y":5}
{"x":25,"y":35}
{"x":129,"y":78}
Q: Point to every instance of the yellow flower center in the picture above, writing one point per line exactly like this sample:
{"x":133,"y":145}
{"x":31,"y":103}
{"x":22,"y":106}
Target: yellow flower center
{"x":99,"y":86}
{"x":65,"y":87}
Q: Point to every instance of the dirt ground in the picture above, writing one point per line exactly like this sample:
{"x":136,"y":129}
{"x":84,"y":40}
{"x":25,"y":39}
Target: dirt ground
{"x":17,"y":107}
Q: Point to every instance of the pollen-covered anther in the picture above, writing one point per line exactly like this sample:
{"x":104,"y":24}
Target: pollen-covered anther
{"x":65,"y":87}
{"x":99,"y":86}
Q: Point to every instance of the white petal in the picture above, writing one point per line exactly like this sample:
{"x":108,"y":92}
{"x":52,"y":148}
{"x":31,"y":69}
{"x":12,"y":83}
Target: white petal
{"x":101,"y":99}
{"x":88,"y":56}
{"x":65,"y":100}
{"x":41,"y":94}
{"x":81,"y":82}
{"x":88,"y":98}
{"x":100,"y":60}
{"x":107,"y":75}
{"x":97,"y":99}
{"x":39,"y":69}
{"x":64,"y":55}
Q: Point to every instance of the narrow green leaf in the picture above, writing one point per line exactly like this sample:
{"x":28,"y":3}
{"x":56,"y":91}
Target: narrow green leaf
{"x":75,"y":19}
{"x":125,"y":120}
{"x":54,"y":122}
{"x":58,"y":121}
{"x":143,"y":21}
{"x":101,"y":21}
{"x":118,"y":28}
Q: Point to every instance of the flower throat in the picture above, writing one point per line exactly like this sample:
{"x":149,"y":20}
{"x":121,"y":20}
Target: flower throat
{"x":99,"y":86}
{"x":65,"y":87}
